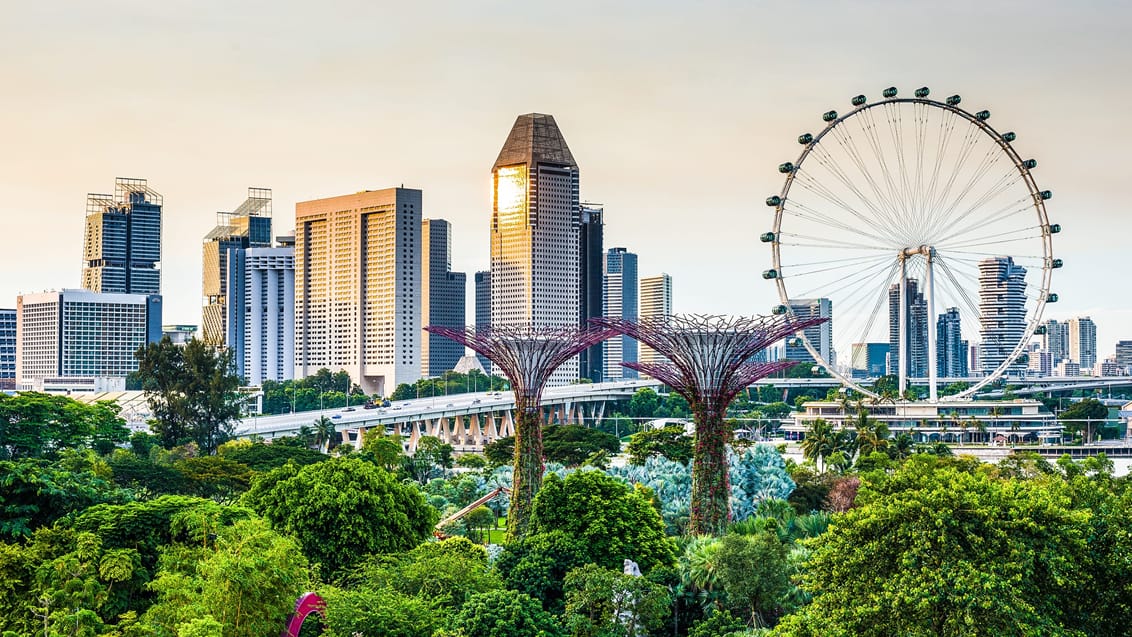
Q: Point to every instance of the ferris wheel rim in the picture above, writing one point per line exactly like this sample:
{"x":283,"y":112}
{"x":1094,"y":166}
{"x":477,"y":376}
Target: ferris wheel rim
{"x":1038,"y":204}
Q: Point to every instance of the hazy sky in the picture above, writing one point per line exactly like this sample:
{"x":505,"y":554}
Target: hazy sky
{"x":678,"y":114}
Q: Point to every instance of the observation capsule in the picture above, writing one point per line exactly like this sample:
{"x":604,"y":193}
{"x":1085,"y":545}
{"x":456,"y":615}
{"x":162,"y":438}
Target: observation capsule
{"x":1056,"y":263}
{"x":786,"y":168}
{"x":954,"y":100}
{"x":1009,"y":136}
{"x":1046,"y":195}
{"x":773,"y":201}
{"x":1051,"y":298}
{"x":778,"y":310}
{"x":1030,"y":163}
{"x":1054,"y":228}
{"x":859,"y":100}
{"x":829,"y":116}
{"x":770,"y":274}
{"x":1041,"y":329}
{"x":767,"y":237}
{"x":889,"y":92}
{"x":805,"y":138}
{"x":922,"y":91}
{"x":794,"y":342}
{"x":982,"y":116}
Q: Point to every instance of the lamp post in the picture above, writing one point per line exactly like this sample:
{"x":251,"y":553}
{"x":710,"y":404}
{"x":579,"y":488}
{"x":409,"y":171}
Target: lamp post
{"x":292,"y":397}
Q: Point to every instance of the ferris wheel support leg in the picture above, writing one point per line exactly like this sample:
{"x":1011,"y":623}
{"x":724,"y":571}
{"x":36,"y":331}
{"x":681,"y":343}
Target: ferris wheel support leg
{"x":902,"y":328}
{"x":933,"y":390}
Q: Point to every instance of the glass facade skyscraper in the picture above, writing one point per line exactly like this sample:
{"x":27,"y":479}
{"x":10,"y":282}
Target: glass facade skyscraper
{"x":620,"y":298}
{"x":916,"y":347}
{"x":122,"y":240}
{"x":249,"y":226}
{"x":483,"y":309}
{"x":591,"y":288}
{"x":443,"y":295}
{"x":951,"y":349}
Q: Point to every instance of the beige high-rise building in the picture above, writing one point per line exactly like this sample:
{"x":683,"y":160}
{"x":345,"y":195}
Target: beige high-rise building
{"x":358,"y":287}
{"x":655,"y":302}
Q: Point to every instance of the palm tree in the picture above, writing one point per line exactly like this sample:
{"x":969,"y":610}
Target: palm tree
{"x":902,"y":446}
{"x":323,"y":431}
{"x":820,"y":442}
{"x":306,"y":435}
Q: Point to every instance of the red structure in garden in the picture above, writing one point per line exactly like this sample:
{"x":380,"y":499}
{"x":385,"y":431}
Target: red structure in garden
{"x":709,"y":360}
{"x":527,"y":356}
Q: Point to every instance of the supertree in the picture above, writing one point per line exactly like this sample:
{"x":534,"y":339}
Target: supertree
{"x":527,"y":356}
{"x":708,"y":360}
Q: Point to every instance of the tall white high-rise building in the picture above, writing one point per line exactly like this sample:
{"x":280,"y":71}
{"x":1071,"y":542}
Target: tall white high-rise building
{"x":82,"y":334}
{"x":1002,"y":311}
{"x":1055,"y":341}
{"x":249,"y":226}
{"x":535,"y":269}
{"x":655,"y":302}
{"x":358,"y":287}
{"x":268,"y":332}
{"x":619,"y":299}
{"x":1083,"y":342}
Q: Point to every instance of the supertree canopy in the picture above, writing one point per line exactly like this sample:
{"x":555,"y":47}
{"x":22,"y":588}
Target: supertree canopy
{"x":527,"y":356}
{"x":708,"y":360}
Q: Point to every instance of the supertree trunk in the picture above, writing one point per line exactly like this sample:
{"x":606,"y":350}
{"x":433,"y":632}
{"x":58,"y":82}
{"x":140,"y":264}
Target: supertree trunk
{"x":711,"y":489}
{"x":528,"y":467}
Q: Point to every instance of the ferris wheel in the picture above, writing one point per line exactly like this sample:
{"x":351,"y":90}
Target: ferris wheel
{"x":920,"y":229}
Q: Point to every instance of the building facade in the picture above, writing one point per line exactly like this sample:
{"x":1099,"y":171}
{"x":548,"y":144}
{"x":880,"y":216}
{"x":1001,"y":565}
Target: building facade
{"x":951,"y":348}
{"x":819,"y":336}
{"x":535,"y":270}
{"x":483,"y":310}
{"x":869,"y":360}
{"x":358,"y":287}
{"x":82,"y":334}
{"x":591,"y":243}
{"x":620,"y":286}
{"x":122,"y":240}
{"x":179,"y":334}
{"x":442,"y":298}
{"x":1056,"y":340}
{"x":1124,"y":355}
{"x":1083,"y":342}
{"x":655,"y":302}
{"x":915,"y":349}
{"x":1002,"y":312}
{"x":222,"y":281}
{"x":7,"y":350}
{"x":267,"y":325}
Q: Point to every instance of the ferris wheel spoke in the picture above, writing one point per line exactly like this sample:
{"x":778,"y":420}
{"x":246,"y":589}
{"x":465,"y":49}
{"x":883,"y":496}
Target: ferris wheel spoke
{"x":921,"y":116}
{"x":821,"y":217}
{"x":960,"y":289}
{"x":896,"y":129}
{"x":881,"y":298}
{"x":789,"y":272}
{"x":869,"y":126}
{"x":1009,"y":179}
{"x":885,"y":208}
{"x":1001,"y":215}
{"x":827,"y":243}
{"x":967,"y":146}
{"x":846,"y":280}
{"x":984,"y":165}
{"x":830,"y":164}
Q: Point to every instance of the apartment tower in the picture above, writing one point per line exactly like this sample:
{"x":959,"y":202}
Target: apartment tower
{"x":655,"y":302}
{"x":1002,"y":312}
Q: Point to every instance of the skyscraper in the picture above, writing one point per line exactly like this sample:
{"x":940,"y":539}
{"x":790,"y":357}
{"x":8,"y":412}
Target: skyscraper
{"x":620,"y":299}
{"x":249,"y":226}
{"x":916,"y":347}
{"x":443,"y":295}
{"x":357,"y":287}
{"x":951,"y":348}
{"x":1002,"y":311}
{"x":1124,"y":355}
{"x":267,"y":326}
{"x":819,"y":336}
{"x":483,"y":309}
{"x":655,"y":303}
{"x":82,"y":334}
{"x":869,"y":360}
{"x":535,"y":270}
{"x":7,"y":349}
{"x":1083,"y":342}
{"x":590,"y":285}
{"x":1056,"y":340}
{"x":122,"y":242}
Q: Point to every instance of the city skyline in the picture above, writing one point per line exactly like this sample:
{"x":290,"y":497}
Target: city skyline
{"x":197,"y":139}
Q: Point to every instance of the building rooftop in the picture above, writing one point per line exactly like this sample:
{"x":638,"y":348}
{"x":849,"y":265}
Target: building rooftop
{"x":535,"y":138}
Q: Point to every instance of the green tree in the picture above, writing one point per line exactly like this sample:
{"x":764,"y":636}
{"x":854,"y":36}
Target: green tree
{"x":537,"y":564}
{"x":36,"y":493}
{"x":670,"y":441}
{"x":34,"y":425}
{"x":379,"y":611}
{"x":192,"y":391}
{"x":342,"y":509}
{"x":505,"y":614}
{"x":602,"y":602}
{"x":216,"y":477}
{"x":570,"y":445}
{"x":261,"y":457}
{"x":1084,"y":416}
{"x":644,"y":403}
{"x":429,"y":460}
{"x":613,"y":521}
{"x":754,"y":574}
{"x":325,"y":433}
{"x":383,"y":449}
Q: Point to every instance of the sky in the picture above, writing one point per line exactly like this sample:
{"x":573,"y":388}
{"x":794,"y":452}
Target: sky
{"x":677,"y":114}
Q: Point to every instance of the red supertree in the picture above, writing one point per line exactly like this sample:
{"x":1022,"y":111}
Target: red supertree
{"x":527,"y":356}
{"x":708,"y":360}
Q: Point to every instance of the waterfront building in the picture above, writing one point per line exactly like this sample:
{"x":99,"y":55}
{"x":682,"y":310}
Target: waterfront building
{"x":122,"y":239}
{"x":1002,"y":312}
{"x":591,"y":243}
{"x":915,"y":349}
{"x":535,"y":269}
{"x":81,"y":334}
{"x":654,"y":302}
{"x":819,"y":336}
{"x":1083,"y":342}
{"x":222,"y":278}
{"x":620,"y":300}
{"x":358,"y":287}
{"x":483,"y":309}
{"x":442,"y":298}
{"x":951,"y":348}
